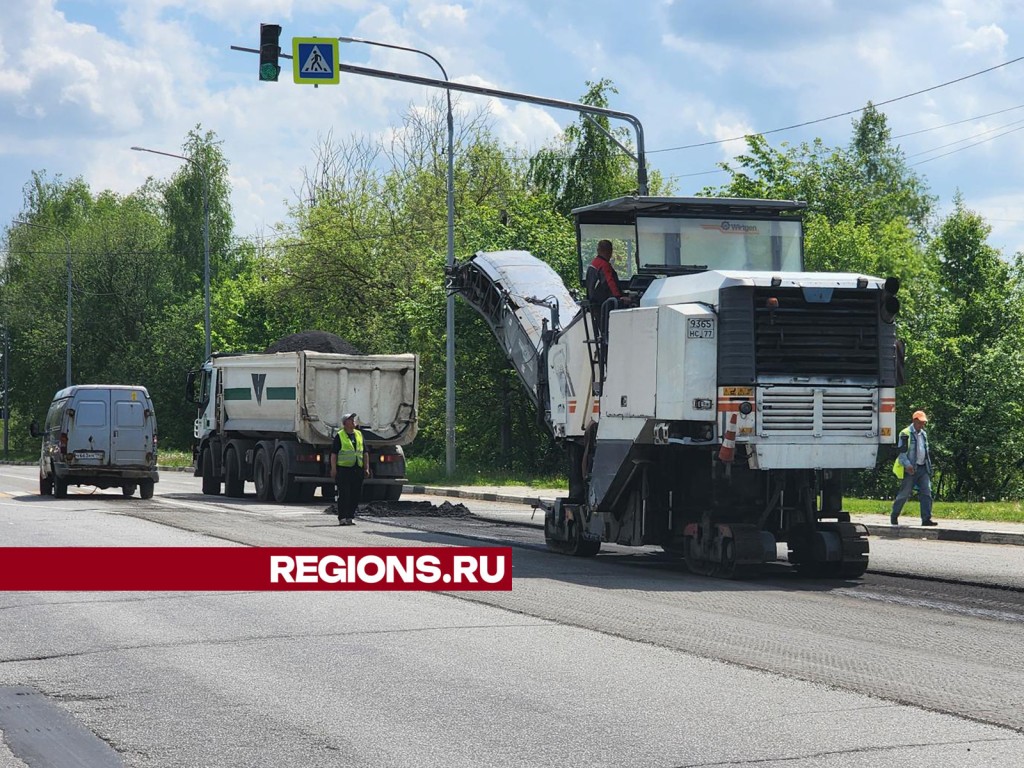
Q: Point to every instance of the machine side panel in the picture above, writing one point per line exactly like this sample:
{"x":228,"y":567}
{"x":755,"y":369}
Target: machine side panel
{"x":687,"y":355}
{"x":629,"y":388}
{"x":570,"y":382}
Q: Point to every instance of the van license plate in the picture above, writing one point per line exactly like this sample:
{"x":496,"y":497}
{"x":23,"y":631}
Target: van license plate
{"x":88,"y":454}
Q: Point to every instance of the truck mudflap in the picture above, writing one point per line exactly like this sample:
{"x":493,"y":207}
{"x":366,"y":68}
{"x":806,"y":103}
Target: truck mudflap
{"x":568,"y":529}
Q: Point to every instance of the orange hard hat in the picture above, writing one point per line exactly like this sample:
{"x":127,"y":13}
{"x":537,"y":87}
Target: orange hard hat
{"x":920,"y":416}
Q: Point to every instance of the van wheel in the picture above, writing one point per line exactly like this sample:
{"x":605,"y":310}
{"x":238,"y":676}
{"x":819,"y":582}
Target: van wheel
{"x":60,"y":488}
{"x":128,"y":489}
{"x":46,"y":485}
{"x":211,"y":483}
{"x":234,"y":485}
{"x":261,"y":475}
{"x":146,"y":489}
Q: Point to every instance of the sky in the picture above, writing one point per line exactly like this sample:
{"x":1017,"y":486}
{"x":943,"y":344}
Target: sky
{"x":82,"y":81}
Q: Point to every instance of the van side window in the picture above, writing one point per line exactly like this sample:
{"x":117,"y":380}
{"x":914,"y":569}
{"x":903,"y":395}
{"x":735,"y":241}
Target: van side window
{"x":55,"y":414}
{"x":91,"y":413}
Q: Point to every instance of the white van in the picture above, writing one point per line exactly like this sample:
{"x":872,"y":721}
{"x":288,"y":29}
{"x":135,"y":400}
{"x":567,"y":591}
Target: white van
{"x":102,"y":435}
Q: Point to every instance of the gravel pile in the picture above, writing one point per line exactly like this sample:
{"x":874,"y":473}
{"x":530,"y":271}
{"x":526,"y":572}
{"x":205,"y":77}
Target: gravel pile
{"x":313,"y":341}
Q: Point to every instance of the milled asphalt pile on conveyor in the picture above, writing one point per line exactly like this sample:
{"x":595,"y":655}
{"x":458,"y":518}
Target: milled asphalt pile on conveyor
{"x":408,"y":509}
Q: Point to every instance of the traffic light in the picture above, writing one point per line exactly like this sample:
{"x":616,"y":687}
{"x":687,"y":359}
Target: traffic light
{"x":890,"y":304}
{"x":270,"y":34}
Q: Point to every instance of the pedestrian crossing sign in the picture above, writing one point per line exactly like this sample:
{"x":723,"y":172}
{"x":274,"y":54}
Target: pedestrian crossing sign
{"x":315,"y":60}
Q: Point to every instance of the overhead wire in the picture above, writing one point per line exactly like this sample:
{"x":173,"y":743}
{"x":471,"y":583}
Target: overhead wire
{"x":840,"y":114}
{"x":915,"y":133}
{"x":961,"y":149}
{"x":967,"y":138}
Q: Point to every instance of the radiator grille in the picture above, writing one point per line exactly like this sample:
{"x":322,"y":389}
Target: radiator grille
{"x":817,"y":411}
{"x":808,"y":338}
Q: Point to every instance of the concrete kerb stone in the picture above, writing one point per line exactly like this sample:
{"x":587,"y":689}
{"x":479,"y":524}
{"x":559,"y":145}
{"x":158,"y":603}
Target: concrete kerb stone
{"x":945,"y":534}
{"x":882,"y":531}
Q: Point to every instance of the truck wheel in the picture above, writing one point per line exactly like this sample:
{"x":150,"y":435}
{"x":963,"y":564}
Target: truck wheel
{"x":46,"y":485}
{"x":280,"y":483}
{"x":211,"y":483}
{"x":127,"y":490}
{"x":60,"y":488}
{"x":146,"y":489}
{"x":393,"y":492}
{"x":234,"y":485}
{"x":261,"y":475}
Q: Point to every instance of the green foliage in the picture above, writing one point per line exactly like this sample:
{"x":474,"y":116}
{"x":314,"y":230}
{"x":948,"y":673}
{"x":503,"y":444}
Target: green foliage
{"x":364,"y":253}
{"x":584,"y":167}
{"x":432,"y":472}
{"x":137,"y":306}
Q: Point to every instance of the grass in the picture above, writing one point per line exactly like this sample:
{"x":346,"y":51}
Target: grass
{"x":994,"y":511}
{"x":171,"y":458}
{"x":429,"y":472}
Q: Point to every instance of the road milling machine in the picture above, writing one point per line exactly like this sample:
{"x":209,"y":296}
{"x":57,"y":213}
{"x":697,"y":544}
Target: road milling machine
{"x":715,"y":416}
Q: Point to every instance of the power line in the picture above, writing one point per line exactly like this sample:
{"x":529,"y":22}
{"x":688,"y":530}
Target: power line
{"x":961,"y":149}
{"x":914,"y":133}
{"x":967,"y":138}
{"x":840,"y":114}
{"x":958,"y":122}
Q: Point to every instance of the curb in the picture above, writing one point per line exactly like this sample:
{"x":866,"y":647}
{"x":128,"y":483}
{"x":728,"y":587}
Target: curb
{"x":881,"y":531}
{"x":945,"y":534}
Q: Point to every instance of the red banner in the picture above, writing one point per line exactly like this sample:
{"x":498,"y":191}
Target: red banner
{"x":183,"y":569}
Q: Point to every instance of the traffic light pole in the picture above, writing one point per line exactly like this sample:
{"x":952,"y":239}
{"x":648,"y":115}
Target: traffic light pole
{"x":269,"y":45}
{"x":573,"y":106}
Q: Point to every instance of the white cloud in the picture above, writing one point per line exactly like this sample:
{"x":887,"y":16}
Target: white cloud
{"x":432,"y":16}
{"x":988,"y":39}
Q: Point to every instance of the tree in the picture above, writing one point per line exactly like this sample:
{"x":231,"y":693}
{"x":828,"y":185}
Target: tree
{"x":584,"y":166}
{"x":183,"y":209}
{"x":974,"y":353}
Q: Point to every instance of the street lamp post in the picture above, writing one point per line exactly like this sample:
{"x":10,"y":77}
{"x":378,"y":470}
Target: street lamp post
{"x":67,"y":340}
{"x":449,"y":426}
{"x":206,"y":238}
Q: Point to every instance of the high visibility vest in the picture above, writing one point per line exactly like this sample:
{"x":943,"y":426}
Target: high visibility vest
{"x":351,"y":452}
{"x":897,"y":468}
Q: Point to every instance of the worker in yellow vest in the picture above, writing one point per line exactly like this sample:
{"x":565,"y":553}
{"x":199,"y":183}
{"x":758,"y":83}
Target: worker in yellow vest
{"x":349,"y":464}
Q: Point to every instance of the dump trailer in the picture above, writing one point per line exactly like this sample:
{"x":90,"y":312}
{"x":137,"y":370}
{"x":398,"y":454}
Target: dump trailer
{"x":716,"y":415}
{"x":270,"y":419}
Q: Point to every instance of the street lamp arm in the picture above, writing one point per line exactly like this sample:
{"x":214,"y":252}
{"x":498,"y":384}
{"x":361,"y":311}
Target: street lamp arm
{"x":395,"y":47}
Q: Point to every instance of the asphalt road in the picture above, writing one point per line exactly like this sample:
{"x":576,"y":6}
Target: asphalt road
{"x":625,"y":659}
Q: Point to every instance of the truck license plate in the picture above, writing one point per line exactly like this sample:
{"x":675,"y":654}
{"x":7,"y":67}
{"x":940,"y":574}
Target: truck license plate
{"x":700,"y":328}
{"x":88,"y":454}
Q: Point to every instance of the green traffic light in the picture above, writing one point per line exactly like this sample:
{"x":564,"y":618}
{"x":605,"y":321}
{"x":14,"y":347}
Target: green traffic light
{"x":269,"y":71}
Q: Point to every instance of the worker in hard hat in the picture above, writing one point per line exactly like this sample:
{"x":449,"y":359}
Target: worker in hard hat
{"x":915,"y":460}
